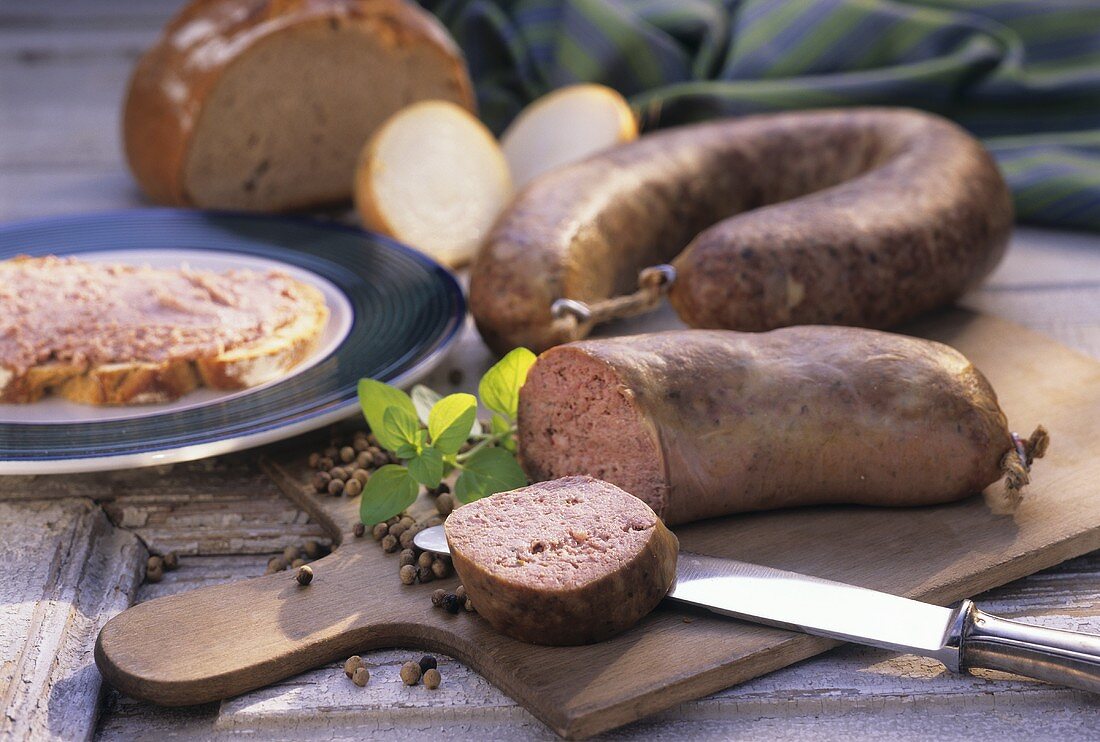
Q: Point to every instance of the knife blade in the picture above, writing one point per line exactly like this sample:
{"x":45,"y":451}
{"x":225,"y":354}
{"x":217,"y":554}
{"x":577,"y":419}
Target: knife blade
{"x":961,"y":637}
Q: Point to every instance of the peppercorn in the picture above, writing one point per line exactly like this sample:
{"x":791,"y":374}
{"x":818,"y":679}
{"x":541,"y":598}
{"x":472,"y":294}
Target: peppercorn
{"x":332,"y":452}
{"x":410,"y":673}
{"x":379,"y":531}
{"x":397,"y":529}
{"x":389,"y":543}
{"x":351,"y":664}
{"x":407,"y":556}
{"x":391,"y":522}
{"x":434,"y":520}
{"x":361,"y":676}
{"x":339,"y":472}
{"x":359,"y":530}
{"x":442,"y":489}
{"x":154,"y":561}
{"x":432,"y":679}
{"x":325,"y":463}
{"x":154,"y":571}
{"x":460,"y":592}
{"x":407,"y":574}
{"x":314,"y":549}
{"x":408,"y":521}
{"x":353,"y":487}
{"x":305,"y":574}
{"x":314,"y":460}
{"x":335,"y":487}
{"x":468,"y":605}
{"x":171,"y":561}
{"x":276,"y":564}
{"x":450,"y":603}
{"x":362,"y":475}
{"x":360,"y":443}
{"x":425,"y":559}
{"x":441,"y":569}
{"x":407,"y":537}
{"x":445,"y":504}
{"x":427,"y":662}
{"x":454,"y":376}
{"x":297,"y":563}
{"x":321,"y":480}
{"x":424,"y":574}
{"x":437,"y":597}
{"x":364,"y":460}
{"x":347,"y":454}
{"x":291,"y":553}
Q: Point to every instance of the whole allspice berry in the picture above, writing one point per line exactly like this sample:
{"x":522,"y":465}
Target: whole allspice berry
{"x":359,"y":530}
{"x":276,"y":564}
{"x":154,"y":570}
{"x":425,"y":559}
{"x":432,"y":679}
{"x":389,"y":543}
{"x":379,"y":531}
{"x":171,"y":561}
{"x":351,"y":664}
{"x":397,"y":529}
{"x":407,"y":537}
{"x":408,"y":574}
{"x":314,"y":549}
{"x":321,"y":480}
{"x":445,"y":503}
{"x":339,"y":472}
{"x":297,"y":563}
{"x":441,"y":569}
{"x":460,"y":592}
{"x":305,"y":575}
{"x":353,"y":487}
{"x":314,"y":460}
{"x":437,"y":597}
{"x":410,"y":673}
{"x":362,"y":475}
{"x":336,"y":488}
{"x":360,"y":676}
{"x":407,"y":556}
{"x":291,"y":553}
{"x":347,"y":454}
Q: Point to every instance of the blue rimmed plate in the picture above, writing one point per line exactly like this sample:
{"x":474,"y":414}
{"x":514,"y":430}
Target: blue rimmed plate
{"x":393,"y":313}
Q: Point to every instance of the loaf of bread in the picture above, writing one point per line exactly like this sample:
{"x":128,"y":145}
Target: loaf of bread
{"x":120,"y":334}
{"x":265,"y":104}
{"x":572,"y":561}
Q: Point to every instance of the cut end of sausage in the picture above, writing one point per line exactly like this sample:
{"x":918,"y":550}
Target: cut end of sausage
{"x":578,"y":416}
{"x":572,"y":561}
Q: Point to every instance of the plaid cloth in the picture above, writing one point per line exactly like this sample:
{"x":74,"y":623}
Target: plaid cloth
{"x":1023,"y":75}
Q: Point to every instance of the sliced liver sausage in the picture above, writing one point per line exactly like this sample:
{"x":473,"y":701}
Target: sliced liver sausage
{"x":571,"y":561}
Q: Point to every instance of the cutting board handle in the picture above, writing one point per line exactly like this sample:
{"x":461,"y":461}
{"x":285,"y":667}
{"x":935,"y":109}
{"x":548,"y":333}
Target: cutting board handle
{"x":224,"y":640}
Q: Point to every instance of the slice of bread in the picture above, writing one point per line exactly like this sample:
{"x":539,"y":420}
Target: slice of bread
{"x":565,"y":126}
{"x":264,"y":105}
{"x":435,"y":178}
{"x":117,"y":335}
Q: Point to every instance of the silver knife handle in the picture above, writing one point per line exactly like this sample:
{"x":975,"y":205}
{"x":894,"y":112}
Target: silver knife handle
{"x":1069,"y":658}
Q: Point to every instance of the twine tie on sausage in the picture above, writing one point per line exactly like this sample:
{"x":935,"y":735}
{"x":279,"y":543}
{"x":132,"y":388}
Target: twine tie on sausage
{"x":579,"y":317}
{"x":1016,"y":463}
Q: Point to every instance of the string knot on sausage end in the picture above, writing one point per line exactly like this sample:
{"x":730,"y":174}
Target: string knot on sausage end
{"x":576,"y":318}
{"x":1016,"y":463}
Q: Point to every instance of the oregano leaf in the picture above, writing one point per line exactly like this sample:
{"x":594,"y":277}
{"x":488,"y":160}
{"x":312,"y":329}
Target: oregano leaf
{"x":401,"y":426}
{"x":427,"y":467}
{"x":451,"y":421}
{"x":499,"y":387}
{"x":390,"y":490}
{"x":375,"y":397}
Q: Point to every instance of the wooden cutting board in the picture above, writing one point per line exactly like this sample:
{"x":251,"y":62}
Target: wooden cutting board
{"x":221,"y":641}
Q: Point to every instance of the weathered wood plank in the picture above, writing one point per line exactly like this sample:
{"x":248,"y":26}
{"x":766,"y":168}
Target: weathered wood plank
{"x":66,"y":571}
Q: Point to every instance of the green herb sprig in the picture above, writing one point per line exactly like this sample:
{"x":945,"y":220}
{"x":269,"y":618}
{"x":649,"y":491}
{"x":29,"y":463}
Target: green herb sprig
{"x":427,"y":433}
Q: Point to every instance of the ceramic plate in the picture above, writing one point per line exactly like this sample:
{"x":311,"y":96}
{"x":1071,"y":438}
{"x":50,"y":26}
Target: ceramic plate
{"x":393,"y":313}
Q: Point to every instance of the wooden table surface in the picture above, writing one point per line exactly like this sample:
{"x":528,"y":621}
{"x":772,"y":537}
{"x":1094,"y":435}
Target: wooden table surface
{"x":73,"y":547}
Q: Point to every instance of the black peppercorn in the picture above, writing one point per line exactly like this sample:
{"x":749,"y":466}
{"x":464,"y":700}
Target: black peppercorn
{"x":359,"y":530}
{"x":427,"y":662}
{"x":451,"y":603}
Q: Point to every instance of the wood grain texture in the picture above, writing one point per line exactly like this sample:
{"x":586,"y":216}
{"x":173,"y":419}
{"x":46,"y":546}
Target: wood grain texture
{"x":66,"y":571}
{"x":228,"y":639}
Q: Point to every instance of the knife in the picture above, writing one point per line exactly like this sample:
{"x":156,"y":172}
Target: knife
{"x":961,"y":637}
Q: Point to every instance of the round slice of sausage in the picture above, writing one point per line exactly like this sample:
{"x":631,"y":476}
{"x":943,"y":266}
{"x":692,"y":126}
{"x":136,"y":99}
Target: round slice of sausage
{"x":702,"y":423}
{"x":572,"y":561}
{"x":863,"y":217}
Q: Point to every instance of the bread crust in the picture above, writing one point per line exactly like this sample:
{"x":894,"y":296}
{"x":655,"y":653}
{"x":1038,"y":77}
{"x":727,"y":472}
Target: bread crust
{"x":172,"y":79}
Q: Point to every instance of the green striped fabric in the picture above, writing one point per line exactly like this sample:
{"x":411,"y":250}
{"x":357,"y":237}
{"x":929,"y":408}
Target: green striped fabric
{"x":1023,"y":75}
